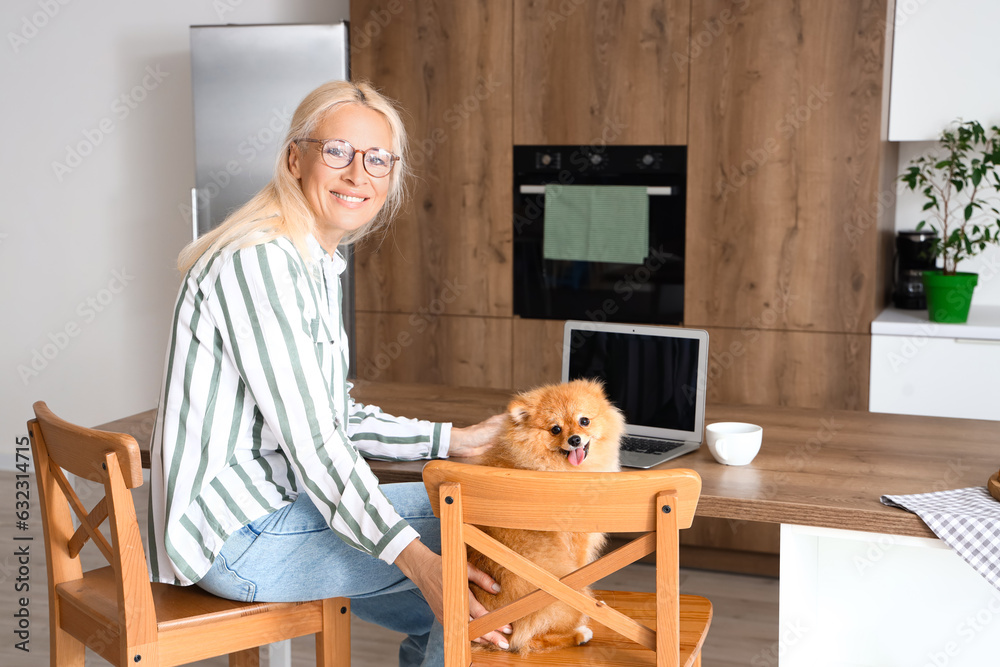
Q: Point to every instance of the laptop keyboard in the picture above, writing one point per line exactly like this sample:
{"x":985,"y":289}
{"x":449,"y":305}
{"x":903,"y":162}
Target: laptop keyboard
{"x":632,"y":443}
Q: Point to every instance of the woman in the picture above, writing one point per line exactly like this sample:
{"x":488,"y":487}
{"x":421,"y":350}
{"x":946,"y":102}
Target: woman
{"x":258,"y":489}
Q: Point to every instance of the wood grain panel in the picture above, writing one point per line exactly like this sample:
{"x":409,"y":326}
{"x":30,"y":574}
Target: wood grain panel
{"x":784,"y":168}
{"x":750,"y":365}
{"x":448,"y":350}
{"x":727,"y":560}
{"x":537,"y":357}
{"x":788,"y":368}
{"x":448,"y":64}
{"x":733,"y":534}
{"x":601,"y":71}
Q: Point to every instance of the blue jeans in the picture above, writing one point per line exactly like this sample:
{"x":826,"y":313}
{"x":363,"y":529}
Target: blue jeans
{"x":292,"y":555}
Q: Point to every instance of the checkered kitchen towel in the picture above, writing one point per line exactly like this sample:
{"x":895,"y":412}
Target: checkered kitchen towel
{"x":968,"y":520}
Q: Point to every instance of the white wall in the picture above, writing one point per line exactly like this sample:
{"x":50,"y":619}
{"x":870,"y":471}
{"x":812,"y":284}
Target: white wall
{"x":87,"y":252}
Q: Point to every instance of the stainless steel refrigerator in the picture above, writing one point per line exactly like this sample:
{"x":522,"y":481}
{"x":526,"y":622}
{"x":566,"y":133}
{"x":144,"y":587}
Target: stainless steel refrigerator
{"x":246,"y":82}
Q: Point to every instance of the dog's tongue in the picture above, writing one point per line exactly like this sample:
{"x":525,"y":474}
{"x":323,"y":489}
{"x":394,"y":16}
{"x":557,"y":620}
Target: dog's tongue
{"x":577,"y":456}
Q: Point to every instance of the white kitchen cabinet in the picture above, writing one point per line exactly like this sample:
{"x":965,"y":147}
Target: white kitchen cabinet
{"x":942,"y":370}
{"x":945,"y":65}
{"x":854,"y":599}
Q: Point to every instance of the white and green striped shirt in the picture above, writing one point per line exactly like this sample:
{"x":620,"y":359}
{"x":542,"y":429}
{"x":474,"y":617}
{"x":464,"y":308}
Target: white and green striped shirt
{"x":256,"y":409}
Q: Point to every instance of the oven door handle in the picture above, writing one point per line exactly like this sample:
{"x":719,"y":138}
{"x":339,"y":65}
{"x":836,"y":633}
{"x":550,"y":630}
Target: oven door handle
{"x":665,"y":190}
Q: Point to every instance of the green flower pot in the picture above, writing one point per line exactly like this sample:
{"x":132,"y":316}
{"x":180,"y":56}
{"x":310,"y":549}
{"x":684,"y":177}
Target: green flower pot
{"x":949,"y":297}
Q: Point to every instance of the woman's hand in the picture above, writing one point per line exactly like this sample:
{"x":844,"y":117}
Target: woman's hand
{"x":423,"y":567}
{"x":476,"y":439}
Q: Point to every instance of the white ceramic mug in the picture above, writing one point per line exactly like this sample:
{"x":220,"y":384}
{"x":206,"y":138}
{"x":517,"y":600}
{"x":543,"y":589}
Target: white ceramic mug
{"x":734,"y":443}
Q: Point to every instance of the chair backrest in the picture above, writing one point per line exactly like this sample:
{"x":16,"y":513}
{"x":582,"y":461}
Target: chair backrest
{"x":657,"y":503}
{"x":112,"y":460}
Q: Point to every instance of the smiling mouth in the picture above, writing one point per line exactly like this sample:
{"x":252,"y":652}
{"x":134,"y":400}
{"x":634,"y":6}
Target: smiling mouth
{"x":349,"y":198}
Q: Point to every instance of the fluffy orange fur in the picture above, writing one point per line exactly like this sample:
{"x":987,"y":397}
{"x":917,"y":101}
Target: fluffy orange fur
{"x":567,"y":427}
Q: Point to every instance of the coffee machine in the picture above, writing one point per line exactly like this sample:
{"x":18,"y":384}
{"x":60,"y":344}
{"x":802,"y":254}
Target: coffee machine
{"x":914,"y":255}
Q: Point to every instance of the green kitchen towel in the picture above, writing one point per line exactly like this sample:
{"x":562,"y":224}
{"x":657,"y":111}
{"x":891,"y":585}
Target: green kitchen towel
{"x":596,"y":223}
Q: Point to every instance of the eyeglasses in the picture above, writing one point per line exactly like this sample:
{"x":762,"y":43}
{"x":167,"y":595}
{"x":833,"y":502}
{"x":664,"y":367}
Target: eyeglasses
{"x":338,"y":154}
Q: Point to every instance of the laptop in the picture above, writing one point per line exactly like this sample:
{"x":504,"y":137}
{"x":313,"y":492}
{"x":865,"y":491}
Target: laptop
{"x":655,"y":375}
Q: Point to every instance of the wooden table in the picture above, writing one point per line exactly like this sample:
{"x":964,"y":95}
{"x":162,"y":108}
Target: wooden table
{"x":815,"y":468}
{"x":861,"y":583}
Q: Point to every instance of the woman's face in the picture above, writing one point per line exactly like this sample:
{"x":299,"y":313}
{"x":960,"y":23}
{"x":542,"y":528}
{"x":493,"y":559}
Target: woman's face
{"x":346,"y":199}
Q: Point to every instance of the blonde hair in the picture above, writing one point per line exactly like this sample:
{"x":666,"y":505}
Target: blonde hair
{"x":280,"y":208}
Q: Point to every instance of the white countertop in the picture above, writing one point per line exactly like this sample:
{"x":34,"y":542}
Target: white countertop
{"x":983,"y":324}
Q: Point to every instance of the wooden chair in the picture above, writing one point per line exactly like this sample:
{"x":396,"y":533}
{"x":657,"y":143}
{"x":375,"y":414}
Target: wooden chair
{"x":115,"y":610}
{"x":662,"y":628}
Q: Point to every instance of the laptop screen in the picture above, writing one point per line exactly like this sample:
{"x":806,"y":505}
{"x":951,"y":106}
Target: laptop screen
{"x":653,"y":379}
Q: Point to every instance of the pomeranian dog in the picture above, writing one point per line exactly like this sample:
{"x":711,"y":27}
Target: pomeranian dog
{"x":569,"y":427}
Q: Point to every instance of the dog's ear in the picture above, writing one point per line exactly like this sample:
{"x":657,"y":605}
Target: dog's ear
{"x":518,"y":411}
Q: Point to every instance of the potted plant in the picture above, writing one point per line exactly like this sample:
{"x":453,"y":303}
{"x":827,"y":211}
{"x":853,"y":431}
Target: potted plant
{"x":960,"y":182}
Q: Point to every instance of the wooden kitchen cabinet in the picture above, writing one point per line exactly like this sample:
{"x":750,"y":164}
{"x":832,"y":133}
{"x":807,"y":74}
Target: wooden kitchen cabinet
{"x":789,"y":208}
{"x":782,"y":105}
{"x":582,"y":72}
{"x":448,"y":65}
{"x":596,"y":72}
{"x":537,"y":352}
{"x":755,"y":366}
{"x":794,"y":368}
{"x":787,"y":228}
{"x":455,"y":350}
{"x":784,"y":166}
{"x":750,"y":365}
{"x":732,"y":545}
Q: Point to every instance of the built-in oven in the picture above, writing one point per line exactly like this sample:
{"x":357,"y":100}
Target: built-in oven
{"x":650,"y":291}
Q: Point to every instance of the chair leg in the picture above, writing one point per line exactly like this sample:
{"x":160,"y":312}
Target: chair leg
{"x":697,"y":660}
{"x":247,"y":658}
{"x":66,"y":650}
{"x":333,"y":643}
